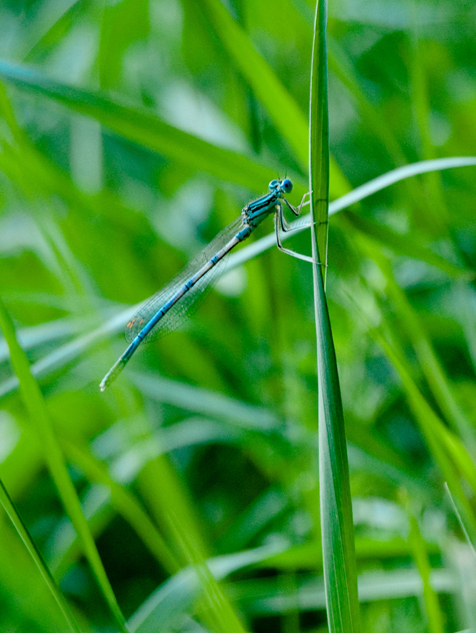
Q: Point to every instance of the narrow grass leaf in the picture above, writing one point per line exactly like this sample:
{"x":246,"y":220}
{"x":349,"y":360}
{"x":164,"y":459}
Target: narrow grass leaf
{"x":319,"y":138}
{"x":336,"y":509}
{"x":338,"y":548}
{"x":420,"y":556}
{"x":22,"y":530}
{"x":146,"y":129}
{"x":398,"y":174}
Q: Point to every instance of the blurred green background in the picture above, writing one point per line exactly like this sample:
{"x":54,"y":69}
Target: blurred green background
{"x":108,"y":189}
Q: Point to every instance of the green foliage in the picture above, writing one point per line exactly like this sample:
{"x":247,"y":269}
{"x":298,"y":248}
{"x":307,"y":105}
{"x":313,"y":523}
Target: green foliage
{"x":131,"y":132}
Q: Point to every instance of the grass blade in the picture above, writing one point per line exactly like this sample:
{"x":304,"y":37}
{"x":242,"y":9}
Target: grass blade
{"x":420,"y":556}
{"x":146,"y":129}
{"x":338,"y":548}
{"x":319,"y":138}
{"x":401,"y":173}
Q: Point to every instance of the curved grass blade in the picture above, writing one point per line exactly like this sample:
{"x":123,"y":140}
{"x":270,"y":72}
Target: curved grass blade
{"x":70,"y":351}
{"x":400,"y":173}
{"x":338,"y":549}
{"x":360,"y":193}
{"x":38,"y":411}
{"x":176,"y":596}
{"x":146,"y":129}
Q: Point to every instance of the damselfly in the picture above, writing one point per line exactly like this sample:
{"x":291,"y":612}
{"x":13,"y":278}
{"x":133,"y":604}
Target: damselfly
{"x":165,"y":309}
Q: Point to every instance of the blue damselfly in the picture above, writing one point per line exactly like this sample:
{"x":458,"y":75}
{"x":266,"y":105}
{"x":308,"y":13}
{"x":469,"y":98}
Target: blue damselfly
{"x":165,"y":310}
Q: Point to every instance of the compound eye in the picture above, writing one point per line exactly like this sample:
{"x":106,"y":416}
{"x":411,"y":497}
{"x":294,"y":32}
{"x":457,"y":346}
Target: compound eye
{"x":273,"y":184}
{"x":287,"y":185}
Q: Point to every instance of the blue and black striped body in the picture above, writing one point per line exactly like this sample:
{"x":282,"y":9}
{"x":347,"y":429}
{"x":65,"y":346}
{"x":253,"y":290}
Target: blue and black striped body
{"x":151,"y":315}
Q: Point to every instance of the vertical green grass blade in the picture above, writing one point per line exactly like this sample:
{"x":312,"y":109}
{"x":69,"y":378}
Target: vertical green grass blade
{"x":36,"y":406}
{"x":420,"y":556}
{"x":319,"y":137}
{"x":336,"y":510}
{"x":22,"y":530}
{"x":436,"y":208}
{"x":338,"y":549}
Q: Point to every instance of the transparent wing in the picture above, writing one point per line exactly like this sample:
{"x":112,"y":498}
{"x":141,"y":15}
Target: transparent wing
{"x":190,"y":301}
